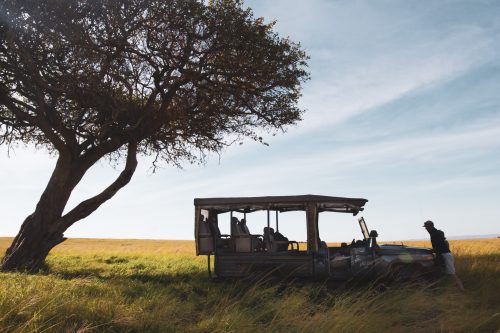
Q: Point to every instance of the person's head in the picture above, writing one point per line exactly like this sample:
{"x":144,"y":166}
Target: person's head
{"x":428,"y":224}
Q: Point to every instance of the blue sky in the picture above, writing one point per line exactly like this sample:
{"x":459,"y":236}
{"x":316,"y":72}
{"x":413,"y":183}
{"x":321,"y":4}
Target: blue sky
{"x":403,"y":108}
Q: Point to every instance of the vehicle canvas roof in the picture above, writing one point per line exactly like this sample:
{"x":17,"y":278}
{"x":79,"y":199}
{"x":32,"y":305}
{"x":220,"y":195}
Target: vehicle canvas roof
{"x":282,"y":203}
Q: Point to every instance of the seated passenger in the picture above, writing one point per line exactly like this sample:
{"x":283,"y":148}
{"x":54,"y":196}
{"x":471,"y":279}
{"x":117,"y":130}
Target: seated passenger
{"x":373,"y":239}
{"x":269,"y":239}
{"x":244,"y":227}
{"x":281,"y":241}
{"x":235,"y":227}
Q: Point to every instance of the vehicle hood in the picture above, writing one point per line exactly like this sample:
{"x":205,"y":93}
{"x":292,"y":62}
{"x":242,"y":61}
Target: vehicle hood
{"x":393,"y":249}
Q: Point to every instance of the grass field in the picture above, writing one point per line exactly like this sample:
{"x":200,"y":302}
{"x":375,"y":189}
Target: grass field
{"x":160,"y":286}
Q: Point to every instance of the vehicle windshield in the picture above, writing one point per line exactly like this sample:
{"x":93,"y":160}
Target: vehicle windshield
{"x":364,"y":229}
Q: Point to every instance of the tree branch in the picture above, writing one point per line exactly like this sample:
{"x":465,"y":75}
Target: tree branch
{"x":87,"y":207}
{"x":50,"y":116}
{"x":34,"y":121}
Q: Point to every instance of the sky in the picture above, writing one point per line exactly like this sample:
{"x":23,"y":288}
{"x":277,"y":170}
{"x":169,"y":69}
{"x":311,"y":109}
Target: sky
{"x":402,"y":108}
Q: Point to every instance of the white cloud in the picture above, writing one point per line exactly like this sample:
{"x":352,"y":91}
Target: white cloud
{"x":365,"y":55}
{"x":364,"y":84}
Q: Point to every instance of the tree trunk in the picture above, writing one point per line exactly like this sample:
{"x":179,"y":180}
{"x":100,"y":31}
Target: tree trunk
{"x":39,"y":232}
{"x":30,"y":247}
{"x":45,"y":228}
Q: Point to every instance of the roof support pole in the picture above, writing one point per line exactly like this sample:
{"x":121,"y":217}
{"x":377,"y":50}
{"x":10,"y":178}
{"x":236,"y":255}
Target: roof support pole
{"x":231,"y":223}
{"x":268,"y":218}
{"x":312,"y":228}
{"x":197,"y":211}
{"x":277,"y":227}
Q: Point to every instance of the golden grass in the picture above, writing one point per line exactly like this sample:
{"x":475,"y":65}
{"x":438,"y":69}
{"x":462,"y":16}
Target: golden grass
{"x":98,"y":285}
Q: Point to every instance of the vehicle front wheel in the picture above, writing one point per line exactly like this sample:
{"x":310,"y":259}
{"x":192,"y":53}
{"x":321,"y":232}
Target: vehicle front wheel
{"x":402,"y":272}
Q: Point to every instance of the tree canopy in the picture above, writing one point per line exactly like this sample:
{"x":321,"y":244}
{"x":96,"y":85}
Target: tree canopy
{"x":174,"y":79}
{"x":81,"y":76}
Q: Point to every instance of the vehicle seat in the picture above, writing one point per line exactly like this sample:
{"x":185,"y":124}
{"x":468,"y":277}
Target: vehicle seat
{"x":269,"y":239}
{"x":242,"y":241}
{"x":221,"y":241}
{"x":256,"y":240}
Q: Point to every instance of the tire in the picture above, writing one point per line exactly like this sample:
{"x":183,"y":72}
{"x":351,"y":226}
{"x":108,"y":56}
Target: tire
{"x":402,"y":272}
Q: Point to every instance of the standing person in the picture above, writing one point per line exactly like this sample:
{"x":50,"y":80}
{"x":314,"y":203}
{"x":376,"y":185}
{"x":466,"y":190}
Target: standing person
{"x":442,"y":249}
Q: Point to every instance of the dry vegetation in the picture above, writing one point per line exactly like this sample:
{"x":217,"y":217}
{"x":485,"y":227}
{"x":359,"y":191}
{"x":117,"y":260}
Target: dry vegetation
{"x":161,"y":286}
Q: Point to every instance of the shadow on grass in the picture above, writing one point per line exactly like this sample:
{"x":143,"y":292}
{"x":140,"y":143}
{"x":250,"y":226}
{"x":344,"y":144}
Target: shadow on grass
{"x":473,"y":269}
{"x":160,"y":278}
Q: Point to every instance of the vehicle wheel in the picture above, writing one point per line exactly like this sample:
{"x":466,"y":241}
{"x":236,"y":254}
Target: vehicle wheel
{"x":403,"y":272}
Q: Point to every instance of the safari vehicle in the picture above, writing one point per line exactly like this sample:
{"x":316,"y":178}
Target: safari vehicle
{"x":241,"y":252}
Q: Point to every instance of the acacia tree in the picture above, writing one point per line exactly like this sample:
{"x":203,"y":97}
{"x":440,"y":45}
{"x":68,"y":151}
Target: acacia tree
{"x":90,"y":80}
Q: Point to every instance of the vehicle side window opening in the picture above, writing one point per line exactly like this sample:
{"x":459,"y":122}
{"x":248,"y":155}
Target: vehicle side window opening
{"x":224,"y":222}
{"x":278,"y":236}
{"x":231,"y":230}
{"x":256,"y":222}
{"x":338,"y":228}
{"x":292,"y":224}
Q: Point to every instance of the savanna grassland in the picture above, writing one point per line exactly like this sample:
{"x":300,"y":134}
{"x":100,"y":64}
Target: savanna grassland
{"x":94,"y":285}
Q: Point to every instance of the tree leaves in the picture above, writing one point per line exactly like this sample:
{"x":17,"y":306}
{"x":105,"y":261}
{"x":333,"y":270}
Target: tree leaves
{"x":177,"y":77}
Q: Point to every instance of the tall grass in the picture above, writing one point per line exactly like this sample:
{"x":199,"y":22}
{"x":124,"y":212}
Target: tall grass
{"x":161,"y":286}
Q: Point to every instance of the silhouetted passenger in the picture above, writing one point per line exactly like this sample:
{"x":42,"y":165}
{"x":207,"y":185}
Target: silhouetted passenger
{"x":373,"y":239}
{"x":281,"y":241}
